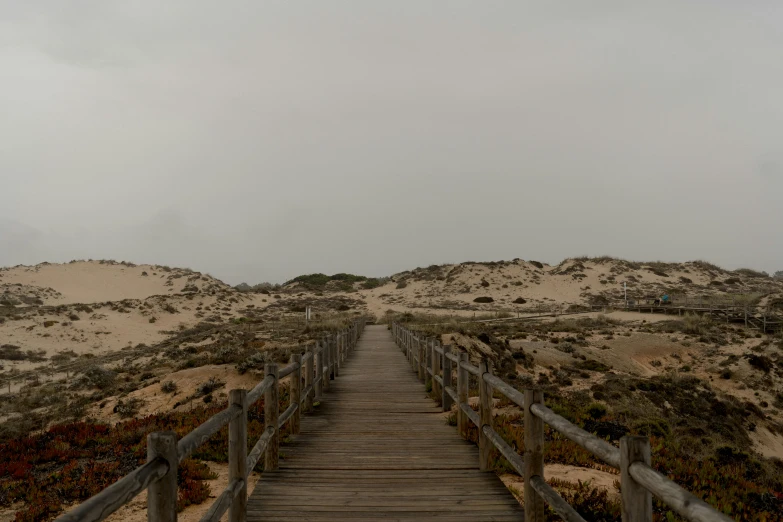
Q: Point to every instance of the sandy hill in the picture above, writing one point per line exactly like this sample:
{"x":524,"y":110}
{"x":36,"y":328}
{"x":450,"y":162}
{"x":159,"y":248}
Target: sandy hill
{"x":91,"y":308}
{"x":98,"y":281}
{"x":529,"y":285}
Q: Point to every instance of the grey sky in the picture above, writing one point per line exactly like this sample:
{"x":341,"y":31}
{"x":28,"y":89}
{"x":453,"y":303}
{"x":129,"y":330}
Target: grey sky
{"x":261,"y":140}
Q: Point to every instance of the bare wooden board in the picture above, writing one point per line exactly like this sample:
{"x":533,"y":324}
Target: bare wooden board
{"x":377,"y":448}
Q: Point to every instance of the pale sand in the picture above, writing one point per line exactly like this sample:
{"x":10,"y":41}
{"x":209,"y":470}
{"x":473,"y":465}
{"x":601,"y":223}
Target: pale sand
{"x":136,"y":509}
{"x":187,"y":381}
{"x":573,"y":474}
{"x":767,"y":443}
{"x":109,"y":327}
{"x":550,"y":287}
{"x":92,"y":282}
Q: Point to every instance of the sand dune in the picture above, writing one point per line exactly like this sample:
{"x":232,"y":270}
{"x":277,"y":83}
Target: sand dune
{"x":94,"y":282}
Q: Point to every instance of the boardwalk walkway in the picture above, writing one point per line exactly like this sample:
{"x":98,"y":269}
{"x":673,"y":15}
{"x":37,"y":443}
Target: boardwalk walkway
{"x":379,"y":449}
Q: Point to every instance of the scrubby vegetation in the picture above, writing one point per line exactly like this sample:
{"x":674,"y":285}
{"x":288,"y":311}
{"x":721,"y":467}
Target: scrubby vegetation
{"x":70,"y":462}
{"x":702,"y":438}
{"x":698,"y":444}
{"x":318,"y":281}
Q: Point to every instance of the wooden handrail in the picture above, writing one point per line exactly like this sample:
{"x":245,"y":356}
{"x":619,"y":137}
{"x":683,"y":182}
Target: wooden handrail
{"x":469,"y":367}
{"x":165,"y":452}
{"x":554,"y":500}
{"x":204,"y":432}
{"x":118,"y":494}
{"x":638,"y":479}
{"x":285,"y":371}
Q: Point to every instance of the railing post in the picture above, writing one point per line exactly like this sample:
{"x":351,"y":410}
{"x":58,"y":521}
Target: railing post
{"x":429,"y":367}
{"x":485,"y":413}
{"x":271,"y":416}
{"x":162,"y":495}
{"x":237,"y":455}
{"x":338,"y":350}
{"x":422,"y":361}
{"x":327,"y":364}
{"x":534,"y":457}
{"x":462,"y":393}
{"x":296,"y":393}
{"x":319,"y":370}
{"x":333,"y":351}
{"x":436,"y":367}
{"x":445,"y":397}
{"x":637,"y":501}
{"x":309,"y":379}
{"x":411,"y":358}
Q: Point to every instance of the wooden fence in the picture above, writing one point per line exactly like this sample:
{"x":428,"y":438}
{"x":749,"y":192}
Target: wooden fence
{"x":638,"y":480}
{"x":310,"y":375}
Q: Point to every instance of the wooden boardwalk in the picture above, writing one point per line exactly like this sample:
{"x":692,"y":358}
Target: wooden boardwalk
{"x":379,"y":449}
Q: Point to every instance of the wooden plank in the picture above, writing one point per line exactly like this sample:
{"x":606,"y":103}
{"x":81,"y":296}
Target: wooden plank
{"x":534,"y":457}
{"x":237,"y":456}
{"x":162,"y":495}
{"x":379,"y":449}
{"x":636,"y":500}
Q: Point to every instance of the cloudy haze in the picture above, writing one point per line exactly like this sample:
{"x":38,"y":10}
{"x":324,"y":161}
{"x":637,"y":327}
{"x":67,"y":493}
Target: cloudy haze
{"x":261,"y":140}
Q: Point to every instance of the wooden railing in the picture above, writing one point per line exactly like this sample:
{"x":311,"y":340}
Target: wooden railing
{"x":638,"y":480}
{"x":310,"y":375}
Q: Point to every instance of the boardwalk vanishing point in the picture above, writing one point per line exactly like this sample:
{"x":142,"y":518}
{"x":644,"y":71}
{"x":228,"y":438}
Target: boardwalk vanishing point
{"x":379,"y":449}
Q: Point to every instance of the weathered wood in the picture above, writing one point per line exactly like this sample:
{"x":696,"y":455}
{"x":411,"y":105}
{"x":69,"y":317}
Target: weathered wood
{"x":598,"y":447}
{"x":378,"y":449}
{"x":465,"y":365}
{"x":507,"y":451}
{"x":534,"y":457}
{"x":305,"y":393}
{"x":422,"y":360}
{"x":164,"y":453}
{"x":636,"y":500}
{"x":259,"y":390}
{"x":224,"y":501}
{"x":437,"y":386}
{"x":462,"y":392}
{"x":335,"y":357}
{"x":470,"y":415}
{"x":109,"y":500}
{"x":259,"y":448}
{"x":203,"y":433}
{"x":271,"y":416}
{"x":485,"y":414}
{"x":327,"y":370}
{"x":555,"y":501}
{"x":684,"y":503}
{"x":296,"y":393}
{"x":319,"y":370}
{"x":308,"y":383}
{"x":162,"y":494}
{"x":287,"y":370}
{"x":411,"y":351}
{"x":452,"y":393}
{"x":445,"y":396}
{"x":286,"y":415}
{"x":237,"y":455}
{"x":338,"y":350}
{"x":506,"y":389}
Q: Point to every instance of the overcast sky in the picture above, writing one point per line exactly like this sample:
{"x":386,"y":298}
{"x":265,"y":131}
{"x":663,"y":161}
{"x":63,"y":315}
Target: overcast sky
{"x":258,"y":140}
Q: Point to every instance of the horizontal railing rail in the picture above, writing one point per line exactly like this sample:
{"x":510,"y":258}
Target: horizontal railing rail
{"x":638,"y":480}
{"x":309,"y":375}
